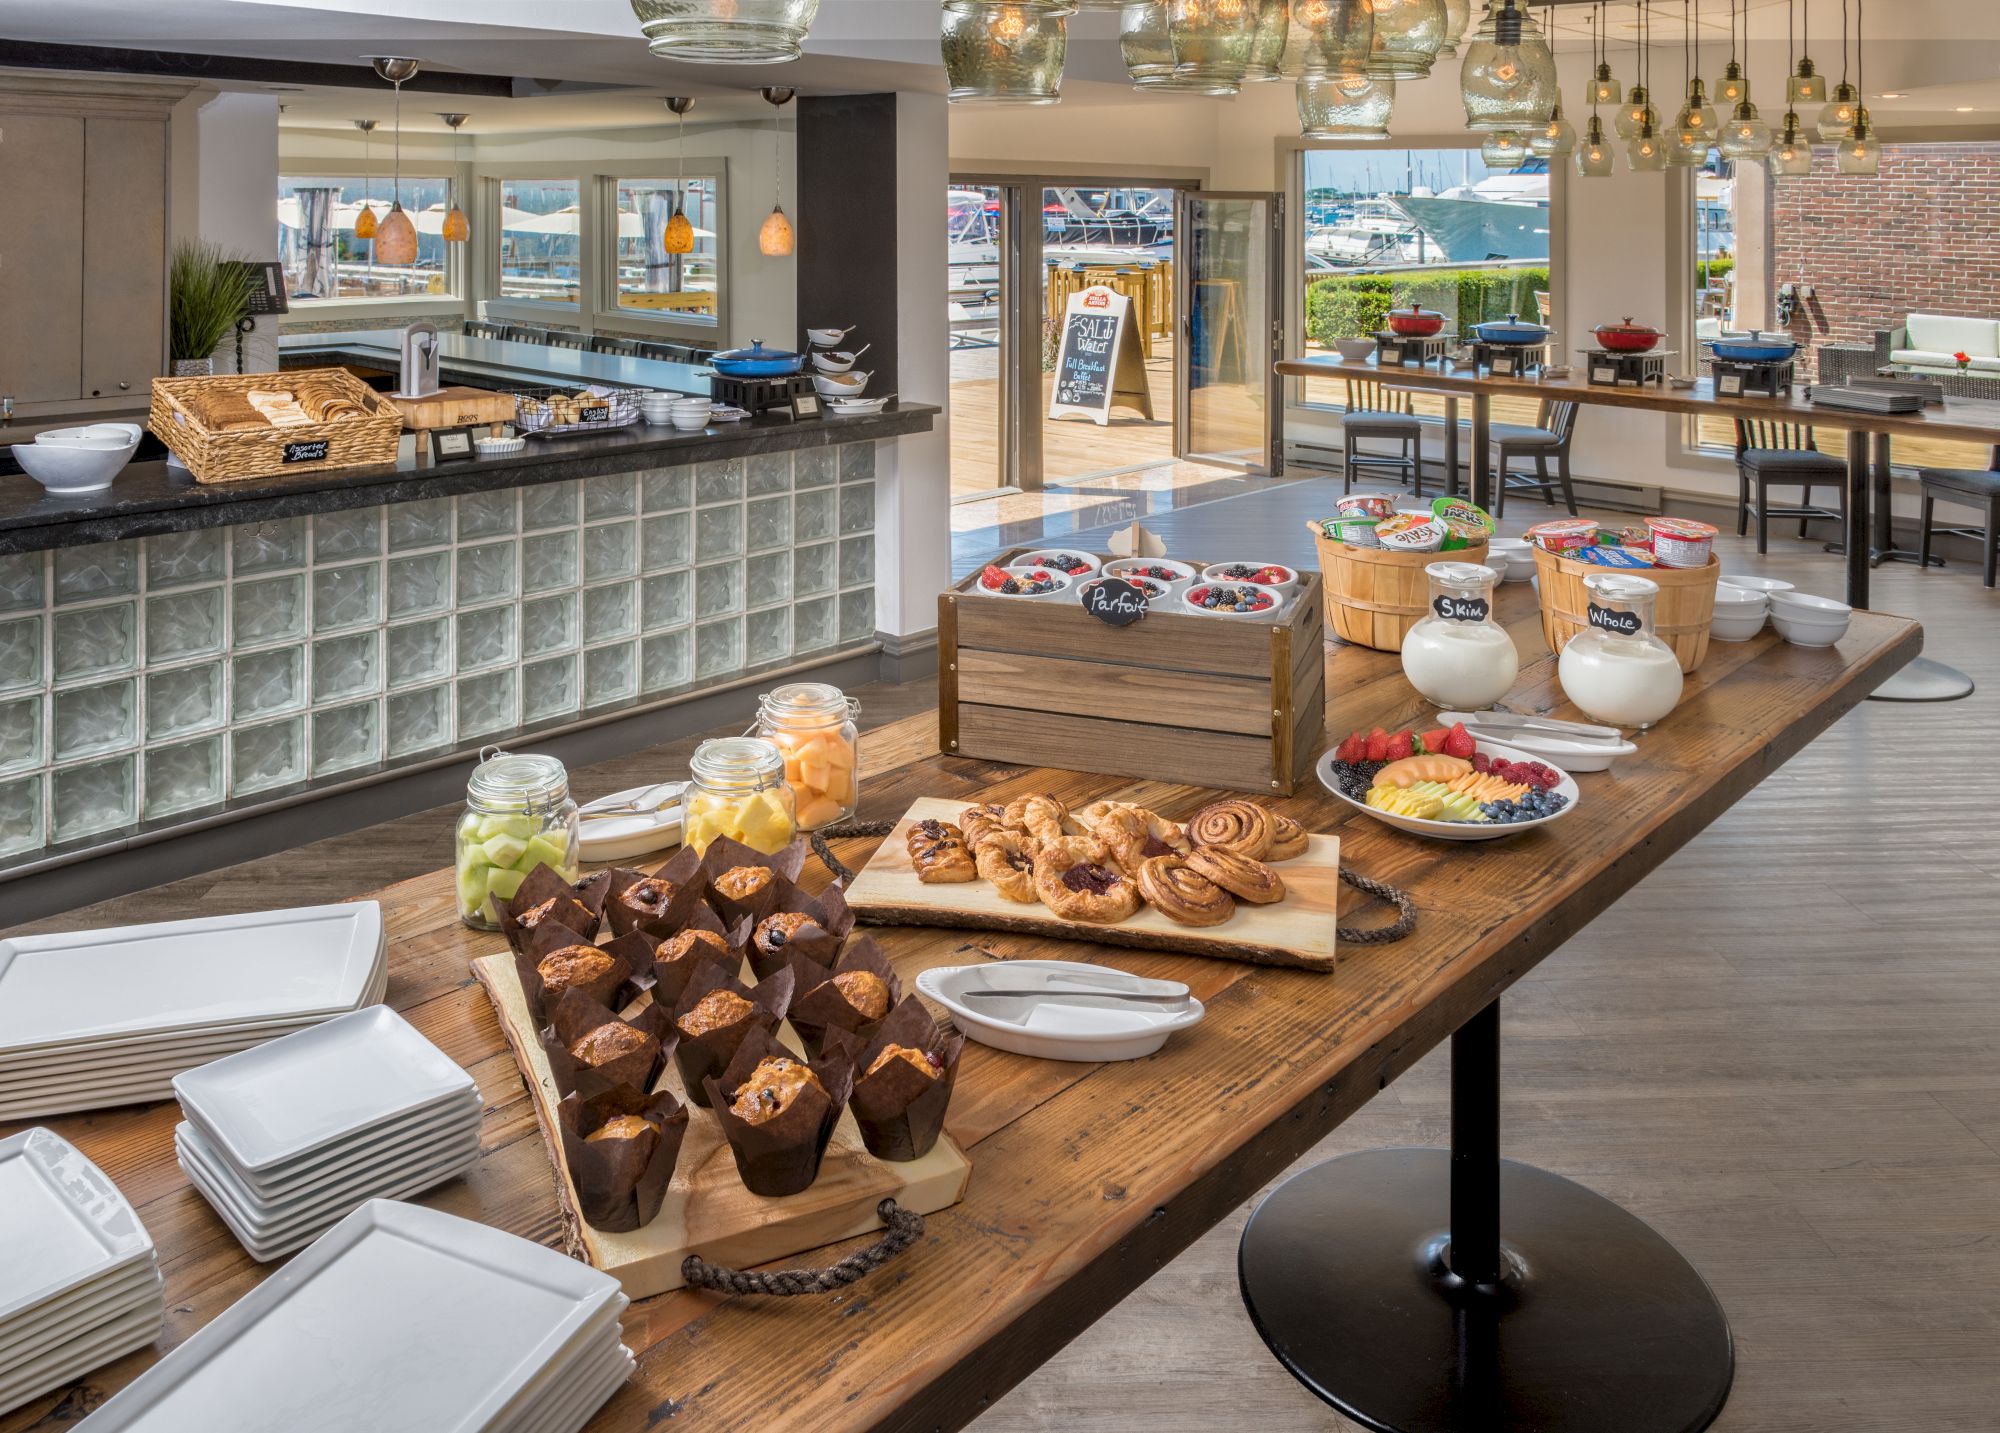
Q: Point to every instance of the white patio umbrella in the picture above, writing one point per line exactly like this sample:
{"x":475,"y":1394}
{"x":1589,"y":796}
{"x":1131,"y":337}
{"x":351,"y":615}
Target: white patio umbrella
{"x":569,"y":221}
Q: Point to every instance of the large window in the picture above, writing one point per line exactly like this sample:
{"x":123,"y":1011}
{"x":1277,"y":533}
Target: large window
{"x":649,"y":278}
{"x":541,"y":243}
{"x":1387,"y":228}
{"x":325,"y":261}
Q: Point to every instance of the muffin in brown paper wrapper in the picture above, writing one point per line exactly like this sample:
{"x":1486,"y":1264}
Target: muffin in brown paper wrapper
{"x":575,"y":1016}
{"x":577,"y":905}
{"x":684,"y":888}
{"x":622,"y":1181}
{"x":818,"y":940}
{"x":780,"y":1156}
{"x":545,"y":940}
{"x":705,"y":1055}
{"x":899,"y":1110}
{"x":818,"y":1005}
{"x":668,"y":978}
{"x":724,"y":855}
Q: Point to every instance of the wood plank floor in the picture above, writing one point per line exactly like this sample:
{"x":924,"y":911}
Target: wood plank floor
{"x":1779,"y":1049}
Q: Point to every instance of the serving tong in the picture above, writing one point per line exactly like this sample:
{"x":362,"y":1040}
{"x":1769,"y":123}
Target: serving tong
{"x":1499,"y":724}
{"x":652,"y":799}
{"x":1090,"y":989}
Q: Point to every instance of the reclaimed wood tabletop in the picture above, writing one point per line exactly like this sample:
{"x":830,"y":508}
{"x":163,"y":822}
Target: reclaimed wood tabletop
{"x":1086,"y":1178}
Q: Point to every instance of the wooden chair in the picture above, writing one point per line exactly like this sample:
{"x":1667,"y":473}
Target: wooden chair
{"x":1772,"y":454}
{"x":485,"y":328}
{"x":526,"y":333}
{"x":665,"y":352}
{"x":1376,"y":410}
{"x":1967,"y":487}
{"x":605,"y":343}
{"x":1548,"y":441}
{"x":559,"y":339}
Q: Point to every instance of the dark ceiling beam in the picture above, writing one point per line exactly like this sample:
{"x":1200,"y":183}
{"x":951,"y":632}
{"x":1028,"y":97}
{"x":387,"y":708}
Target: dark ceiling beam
{"x":242,"y":69}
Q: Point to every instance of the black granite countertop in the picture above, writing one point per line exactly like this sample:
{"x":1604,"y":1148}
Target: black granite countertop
{"x":150,"y":498}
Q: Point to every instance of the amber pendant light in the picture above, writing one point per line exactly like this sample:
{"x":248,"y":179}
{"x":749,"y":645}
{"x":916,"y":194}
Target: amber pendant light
{"x":364,"y":222}
{"x":396,"y":235}
{"x":679,"y":238}
{"x":774,"y":239}
{"x":457,"y":228}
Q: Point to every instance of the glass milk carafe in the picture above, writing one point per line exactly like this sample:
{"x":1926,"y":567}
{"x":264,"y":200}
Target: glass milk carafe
{"x":1457,"y":656}
{"x":518,"y":815}
{"x":739,"y":791}
{"x":813,"y":724}
{"x":1615,"y":669}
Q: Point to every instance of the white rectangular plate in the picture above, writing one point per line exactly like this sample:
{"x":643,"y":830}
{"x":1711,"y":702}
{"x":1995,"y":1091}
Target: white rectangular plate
{"x":286,"y":1098}
{"x":66,"y":1223}
{"x":378,"y":1146}
{"x":256,"y":967}
{"x":67,"y":1320}
{"x":73,"y":1361}
{"x":320,"y":1208}
{"x":438,"y":1322}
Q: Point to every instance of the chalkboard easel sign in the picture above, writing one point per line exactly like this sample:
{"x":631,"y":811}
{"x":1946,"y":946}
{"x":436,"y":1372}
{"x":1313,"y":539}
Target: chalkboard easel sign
{"x":1099,"y":364}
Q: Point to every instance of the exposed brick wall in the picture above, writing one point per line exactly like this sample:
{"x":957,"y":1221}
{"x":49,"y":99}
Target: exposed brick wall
{"x":1919,"y":238}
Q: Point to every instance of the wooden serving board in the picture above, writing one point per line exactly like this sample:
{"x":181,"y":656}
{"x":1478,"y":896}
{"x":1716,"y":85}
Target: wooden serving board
{"x":707,"y":1210}
{"x":1297,"y":931}
{"x":454,"y":408}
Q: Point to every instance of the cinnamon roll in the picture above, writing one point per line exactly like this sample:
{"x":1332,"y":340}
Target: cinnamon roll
{"x":1241,"y":876}
{"x":1233,"y":825}
{"x":1288,"y":839}
{"x":1171,"y":887}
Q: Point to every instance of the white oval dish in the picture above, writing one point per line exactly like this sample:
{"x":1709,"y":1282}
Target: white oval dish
{"x":620,"y":838}
{"x":1464,"y":830}
{"x":1053,"y":1032}
{"x":78,"y":460}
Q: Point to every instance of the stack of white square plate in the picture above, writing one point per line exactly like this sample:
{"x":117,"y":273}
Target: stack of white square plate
{"x":399,"y":1319}
{"x":109,"y":1017}
{"x":286,"y":1139}
{"x":79,"y":1285}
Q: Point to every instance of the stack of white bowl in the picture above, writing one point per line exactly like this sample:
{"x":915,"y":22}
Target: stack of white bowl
{"x":1808,"y":621}
{"x":1512,"y":557}
{"x":1739,"y":613}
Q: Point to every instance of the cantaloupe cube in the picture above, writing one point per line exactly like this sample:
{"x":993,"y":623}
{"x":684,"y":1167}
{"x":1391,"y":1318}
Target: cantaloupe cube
{"x":840,"y":756}
{"x":813,"y":776}
{"x":840,"y":787}
{"x":818,"y":811}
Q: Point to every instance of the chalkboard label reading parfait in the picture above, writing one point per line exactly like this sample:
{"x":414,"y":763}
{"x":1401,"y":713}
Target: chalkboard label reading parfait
{"x":311,"y":451}
{"x":1114,"y":601}
{"x":1613,"y":619}
{"x":1461,"y":609}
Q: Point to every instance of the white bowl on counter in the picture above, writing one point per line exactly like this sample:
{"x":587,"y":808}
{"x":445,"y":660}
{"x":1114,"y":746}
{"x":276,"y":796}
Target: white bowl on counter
{"x":833,"y":360}
{"x":1739,"y":614}
{"x":79,"y":460}
{"x":1354,"y":350}
{"x":841,"y":385}
{"x":1061,"y":592}
{"x":1512,"y":557}
{"x":1765,"y":585}
{"x":855,"y":407}
{"x":1808,"y":621}
{"x":828,"y":337}
{"x":1264,"y":614}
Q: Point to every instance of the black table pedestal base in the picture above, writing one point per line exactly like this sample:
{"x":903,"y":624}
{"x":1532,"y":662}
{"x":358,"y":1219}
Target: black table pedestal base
{"x":1576,"y":1318}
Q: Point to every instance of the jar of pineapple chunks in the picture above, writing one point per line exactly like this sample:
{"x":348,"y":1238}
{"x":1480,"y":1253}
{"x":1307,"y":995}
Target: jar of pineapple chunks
{"x":518,"y":815}
{"x":739,"y":791}
{"x":814,"y":725}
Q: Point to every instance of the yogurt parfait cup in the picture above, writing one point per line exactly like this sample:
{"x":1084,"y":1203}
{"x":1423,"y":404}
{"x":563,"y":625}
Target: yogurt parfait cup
{"x":1681,"y":542}
{"x":1175,"y":575}
{"x":1273,"y":575}
{"x":1068,"y":561}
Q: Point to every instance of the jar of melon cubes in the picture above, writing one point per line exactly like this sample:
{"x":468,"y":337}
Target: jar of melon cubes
{"x":518,"y":815}
{"x":739,"y":791}
{"x":814,"y":725}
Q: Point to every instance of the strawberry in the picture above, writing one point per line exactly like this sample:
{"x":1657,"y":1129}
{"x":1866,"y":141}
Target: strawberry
{"x":1400,"y":745}
{"x":1457,"y":742}
{"x":1378,"y":745}
{"x":991,"y":579}
{"x":1434,"y":740}
{"x":1351,"y":749}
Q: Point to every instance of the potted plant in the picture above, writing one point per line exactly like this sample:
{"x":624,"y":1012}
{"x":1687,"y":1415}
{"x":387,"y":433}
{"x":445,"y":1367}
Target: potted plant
{"x":208,"y":294}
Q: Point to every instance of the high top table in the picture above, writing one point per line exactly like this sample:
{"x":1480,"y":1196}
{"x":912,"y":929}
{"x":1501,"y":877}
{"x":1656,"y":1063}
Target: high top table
{"x":1087,"y":1179}
{"x":1868,"y":538}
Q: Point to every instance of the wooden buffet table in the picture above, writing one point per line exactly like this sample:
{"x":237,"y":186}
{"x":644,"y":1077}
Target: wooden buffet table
{"x":1086,"y":1179}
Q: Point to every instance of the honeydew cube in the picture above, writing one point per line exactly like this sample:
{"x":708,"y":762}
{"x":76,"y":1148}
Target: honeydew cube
{"x":503,"y":850}
{"x":544,"y":850}
{"x":519,"y":827}
{"x":504,"y":883}
{"x":474,"y":882}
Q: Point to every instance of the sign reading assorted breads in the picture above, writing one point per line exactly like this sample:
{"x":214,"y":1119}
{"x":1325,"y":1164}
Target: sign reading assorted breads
{"x":1099,"y":364}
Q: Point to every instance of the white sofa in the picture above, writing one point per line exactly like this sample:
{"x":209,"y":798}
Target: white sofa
{"x":1929,"y":340}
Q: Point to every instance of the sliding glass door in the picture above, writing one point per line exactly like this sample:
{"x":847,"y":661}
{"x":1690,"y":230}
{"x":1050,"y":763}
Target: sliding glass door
{"x":1231,"y":250}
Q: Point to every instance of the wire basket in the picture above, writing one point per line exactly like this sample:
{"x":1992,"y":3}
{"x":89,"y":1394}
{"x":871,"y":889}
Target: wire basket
{"x":576,"y":410}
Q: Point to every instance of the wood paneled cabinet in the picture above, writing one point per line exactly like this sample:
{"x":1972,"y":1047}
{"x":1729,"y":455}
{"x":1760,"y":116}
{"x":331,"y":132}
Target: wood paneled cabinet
{"x":83,"y":239}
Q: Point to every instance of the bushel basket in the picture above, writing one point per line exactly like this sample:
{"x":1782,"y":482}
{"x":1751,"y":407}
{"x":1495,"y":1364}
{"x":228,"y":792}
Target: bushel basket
{"x":1680,"y":617}
{"x":1375,"y":595}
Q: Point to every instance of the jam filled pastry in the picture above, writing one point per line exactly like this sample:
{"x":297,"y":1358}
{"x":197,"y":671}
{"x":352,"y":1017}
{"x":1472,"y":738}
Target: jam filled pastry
{"x":1238,"y":874}
{"x":1132,"y":834}
{"x":1288,"y":839}
{"x":1040,"y":816}
{"x":1233,"y":825}
{"x":1008,"y":862}
{"x":1171,"y":887}
{"x":1072,"y":881}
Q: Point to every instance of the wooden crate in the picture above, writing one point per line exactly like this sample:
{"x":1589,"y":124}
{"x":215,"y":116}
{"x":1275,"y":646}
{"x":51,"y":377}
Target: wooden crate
{"x":1207,"y":701}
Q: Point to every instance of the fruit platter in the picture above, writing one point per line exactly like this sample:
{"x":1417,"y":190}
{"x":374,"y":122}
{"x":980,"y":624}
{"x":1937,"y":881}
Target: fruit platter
{"x":1446,"y":783}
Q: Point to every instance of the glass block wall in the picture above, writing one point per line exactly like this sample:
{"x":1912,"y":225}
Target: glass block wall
{"x":158,"y":677}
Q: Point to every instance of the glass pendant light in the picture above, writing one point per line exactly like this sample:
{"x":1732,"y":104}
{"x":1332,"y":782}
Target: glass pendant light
{"x":1791,"y":153}
{"x":396,"y":235}
{"x":1003,"y":52}
{"x":1503,"y":149}
{"x":1149,"y":54}
{"x":1836,"y":120}
{"x":1593,"y":154}
{"x":1345,"y":106}
{"x":1647,"y":152}
{"x":1732,"y":88}
{"x":1267,"y":41}
{"x":364,"y":222}
{"x":1746,"y":136}
{"x":1508,"y":78}
{"x":1861,"y":152}
{"x":774,"y":238}
{"x":457,"y":228}
{"x":1332,"y":37}
{"x":1556,"y":137}
{"x":1212,"y":39}
{"x":1408,"y":36}
{"x":1457,"y":20}
{"x":679,"y":236}
{"x":1637,"y":110}
{"x":726,"y":32}
{"x":1807,"y":86}
{"x":1697,"y":113}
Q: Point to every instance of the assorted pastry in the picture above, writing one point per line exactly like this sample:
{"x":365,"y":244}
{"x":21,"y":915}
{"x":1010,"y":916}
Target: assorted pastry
{"x":1101,"y":863}
{"x":259,"y":410}
{"x":1441,"y":775}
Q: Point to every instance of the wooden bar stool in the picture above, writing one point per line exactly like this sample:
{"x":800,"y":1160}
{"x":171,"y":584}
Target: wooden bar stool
{"x":1968,"y":487}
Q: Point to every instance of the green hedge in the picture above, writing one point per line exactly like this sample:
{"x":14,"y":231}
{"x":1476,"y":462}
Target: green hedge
{"x":1355,"y":305}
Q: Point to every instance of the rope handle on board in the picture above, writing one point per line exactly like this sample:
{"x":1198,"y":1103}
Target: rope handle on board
{"x":1406,"y":908}
{"x":904,"y":1229}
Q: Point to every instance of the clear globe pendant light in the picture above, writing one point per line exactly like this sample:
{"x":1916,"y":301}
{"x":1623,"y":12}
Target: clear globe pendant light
{"x":1345,"y":106}
{"x":1507,"y":79}
{"x":1267,"y":41}
{"x":1637,"y":110}
{"x":1647,"y":153}
{"x":1003,"y":52}
{"x":1687,"y":146}
{"x":1332,"y":37}
{"x":1593,"y":154}
{"x":1149,"y":54}
{"x":1733,"y":87}
{"x":726,"y":32}
{"x":1745,"y":136}
{"x":1212,"y":39}
{"x":1807,"y":86}
{"x":1594,"y":158}
{"x":1696,"y":114}
{"x":1836,"y":118}
{"x":1408,"y":36}
{"x":1457,"y":20}
{"x":1861,"y":152}
{"x":1556,"y":138}
{"x":1503,"y":149}
{"x":1791,"y":155}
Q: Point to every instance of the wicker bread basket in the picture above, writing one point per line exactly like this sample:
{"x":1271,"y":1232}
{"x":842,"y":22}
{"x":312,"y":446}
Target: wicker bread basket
{"x":1680,"y":617}
{"x":1375,"y":595}
{"x":227,"y":457}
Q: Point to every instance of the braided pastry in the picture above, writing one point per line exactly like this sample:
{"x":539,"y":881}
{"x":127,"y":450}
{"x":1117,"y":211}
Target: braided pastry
{"x":1040,"y":816}
{"x":939,"y":853}
{"x":1005,"y":859}
{"x":980,"y":822}
{"x":1288,"y":839}
{"x":1071,"y":882}
{"x":1238,"y":874}
{"x":1233,"y":825}
{"x":1182,"y":895}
